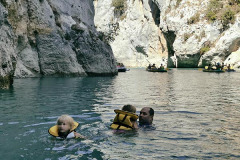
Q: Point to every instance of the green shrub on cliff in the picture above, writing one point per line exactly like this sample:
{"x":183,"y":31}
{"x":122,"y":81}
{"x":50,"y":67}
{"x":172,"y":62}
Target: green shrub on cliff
{"x":223,"y":11}
{"x":212,"y":10}
{"x":206,"y":47}
{"x":178,"y":3}
{"x":194,"y":19}
{"x":186,"y":36}
{"x":233,"y":2}
{"x":119,"y":5}
{"x":227,"y":17}
{"x":204,"y":50}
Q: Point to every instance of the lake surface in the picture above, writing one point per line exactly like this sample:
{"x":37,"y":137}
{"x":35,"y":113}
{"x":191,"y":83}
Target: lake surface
{"x":197,"y":116}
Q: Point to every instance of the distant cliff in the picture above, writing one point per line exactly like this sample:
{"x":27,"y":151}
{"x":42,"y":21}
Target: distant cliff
{"x":177,"y":33}
{"x":133,"y":27}
{"x":51,"y":38}
{"x":82,"y":37}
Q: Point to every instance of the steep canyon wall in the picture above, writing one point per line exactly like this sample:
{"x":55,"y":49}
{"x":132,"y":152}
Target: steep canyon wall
{"x":136,"y":37}
{"x":177,"y":33}
{"x":51,"y":38}
{"x":78,"y":38}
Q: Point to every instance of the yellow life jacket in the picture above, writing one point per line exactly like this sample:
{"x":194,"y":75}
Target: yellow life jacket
{"x":54,"y":129}
{"x":206,"y":67}
{"x":123,"y":120}
{"x":231,"y":67}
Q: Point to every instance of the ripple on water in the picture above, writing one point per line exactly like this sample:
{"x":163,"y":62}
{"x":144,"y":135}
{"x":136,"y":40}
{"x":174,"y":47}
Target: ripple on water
{"x":196,"y":116}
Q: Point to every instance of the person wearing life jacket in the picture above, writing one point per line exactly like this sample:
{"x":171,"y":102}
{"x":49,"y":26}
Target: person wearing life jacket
{"x":209,"y":67}
{"x":65,"y":128}
{"x":154,"y":66}
{"x":161,"y":67}
{"x":125,"y":119}
{"x":230,"y":68}
{"x":149,"y":66}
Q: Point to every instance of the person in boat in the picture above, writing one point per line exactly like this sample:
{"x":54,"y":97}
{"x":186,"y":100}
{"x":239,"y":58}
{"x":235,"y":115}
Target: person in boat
{"x":122,"y":65}
{"x":161,"y":67}
{"x":229,"y":67}
{"x":146,"y":116}
{"x":125,"y":119}
{"x":65,"y":128}
{"x":209,"y":66}
{"x":222,"y":67}
{"x":218,"y":66}
{"x":153,"y":66}
{"x":149,"y":66}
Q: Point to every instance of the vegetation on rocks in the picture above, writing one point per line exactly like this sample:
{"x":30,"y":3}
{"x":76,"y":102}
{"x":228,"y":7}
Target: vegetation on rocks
{"x":223,"y":11}
{"x":119,"y":4}
{"x":206,"y":47}
{"x":120,"y":7}
{"x":178,"y":2}
{"x":186,"y":36}
{"x":194,"y":19}
{"x":140,"y":49}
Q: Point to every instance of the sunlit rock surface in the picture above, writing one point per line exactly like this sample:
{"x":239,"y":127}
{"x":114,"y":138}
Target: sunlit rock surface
{"x":137,"y":38}
{"x":190,"y":40}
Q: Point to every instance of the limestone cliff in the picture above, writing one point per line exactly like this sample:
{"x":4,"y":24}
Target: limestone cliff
{"x":206,"y":31}
{"x":7,"y":50}
{"x":181,"y":33}
{"x":52,"y":37}
{"x":136,"y":37}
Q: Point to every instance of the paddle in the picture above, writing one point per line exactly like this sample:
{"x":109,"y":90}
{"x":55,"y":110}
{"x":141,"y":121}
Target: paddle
{"x":148,"y":61}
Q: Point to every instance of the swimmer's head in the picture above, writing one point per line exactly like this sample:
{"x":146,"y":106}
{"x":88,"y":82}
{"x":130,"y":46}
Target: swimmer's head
{"x":129,"y":108}
{"x":65,"y":123}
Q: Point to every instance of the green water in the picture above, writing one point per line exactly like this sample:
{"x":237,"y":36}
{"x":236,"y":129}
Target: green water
{"x":197,"y":116}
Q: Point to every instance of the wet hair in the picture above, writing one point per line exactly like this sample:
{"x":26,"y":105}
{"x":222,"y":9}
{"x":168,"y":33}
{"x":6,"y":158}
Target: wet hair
{"x":151,"y":112}
{"x":129,"y":108}
{"x":67,"y":119}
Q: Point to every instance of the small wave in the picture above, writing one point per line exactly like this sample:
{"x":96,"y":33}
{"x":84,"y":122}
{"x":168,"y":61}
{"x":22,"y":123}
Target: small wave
{"x":187,"y":112}
{"x":37,"y":124}
{"x":184,"y":139}
{"x":58,"y":148}
{"x":13,"y":122}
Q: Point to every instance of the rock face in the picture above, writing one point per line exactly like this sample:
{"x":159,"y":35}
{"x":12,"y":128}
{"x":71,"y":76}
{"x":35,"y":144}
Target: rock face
{"x":176,"y":31}
{"x":7,"y":50}
{"x":136,"y":37}
{"x":58,"y":37}
{"x":199,"y":41}
{"x":52,"y":37}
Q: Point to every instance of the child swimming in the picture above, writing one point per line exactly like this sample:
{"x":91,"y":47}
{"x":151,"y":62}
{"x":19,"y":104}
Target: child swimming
{"x":65,"y":128}
{"x":126,"y":119}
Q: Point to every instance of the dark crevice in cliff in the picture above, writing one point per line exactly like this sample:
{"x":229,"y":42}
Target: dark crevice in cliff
{"x":4,"y":3}
{"x":235,"y":45}
{"x":56,"y":14}
{"x":32,"y":35}
{"x":170,"y":37}
{"x":188,"y":61}
{"x":155,"y":11}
